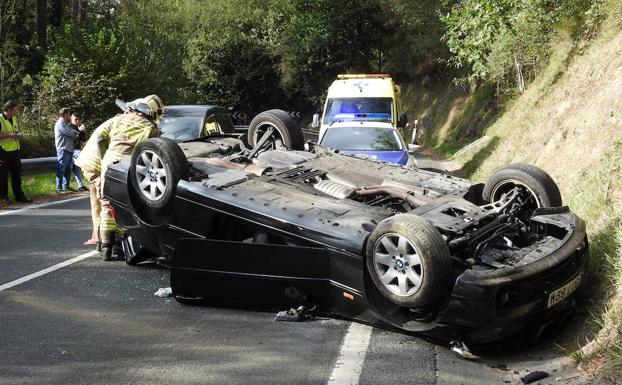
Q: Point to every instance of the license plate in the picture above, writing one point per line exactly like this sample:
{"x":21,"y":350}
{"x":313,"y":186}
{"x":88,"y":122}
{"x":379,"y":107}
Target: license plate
{"x":563,"y":292}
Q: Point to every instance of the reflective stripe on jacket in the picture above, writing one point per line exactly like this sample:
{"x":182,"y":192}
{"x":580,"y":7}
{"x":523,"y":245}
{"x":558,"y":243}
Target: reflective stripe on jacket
{"x":91,"y":155}
{"x":112,"y":140}
{"x":126,"y":132}
{"x":9,"y":144}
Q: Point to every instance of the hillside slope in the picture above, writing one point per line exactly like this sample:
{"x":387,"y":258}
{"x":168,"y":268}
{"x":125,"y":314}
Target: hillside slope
{"x":567,"y":119}
{"x":568,"y":122}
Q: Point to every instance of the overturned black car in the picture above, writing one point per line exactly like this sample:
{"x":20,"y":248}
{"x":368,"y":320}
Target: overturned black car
{"x":243,"y":221}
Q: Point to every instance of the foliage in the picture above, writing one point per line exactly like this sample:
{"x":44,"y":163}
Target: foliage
{"x":86,"y":79}
{"x":89,"y":66}
{"x":509,"y":41}
{"x":251,"y":55}
{"x":12,"y":66}
{"x":596,"y":199}
{"x":413,"y":45}
{"x":229,"y":59}
{"x":153,"y":47}
{"x":322,"y":38}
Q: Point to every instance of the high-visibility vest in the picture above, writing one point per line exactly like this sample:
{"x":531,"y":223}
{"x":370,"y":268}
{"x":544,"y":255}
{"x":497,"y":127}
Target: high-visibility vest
{"x":9,"y":144}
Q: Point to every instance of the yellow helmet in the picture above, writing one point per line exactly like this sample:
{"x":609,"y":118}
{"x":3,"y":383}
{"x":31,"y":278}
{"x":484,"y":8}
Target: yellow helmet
{"x":150,"y":106}
{"x":156,"y":105}
{"x":140,"y":106}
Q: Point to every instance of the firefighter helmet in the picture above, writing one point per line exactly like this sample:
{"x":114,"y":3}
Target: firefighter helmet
{"x":141,"y":107}
{"x":156,"y":104}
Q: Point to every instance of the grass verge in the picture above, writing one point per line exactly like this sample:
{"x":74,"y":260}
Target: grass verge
{"x":597,"y":198}
{"x":37,"y":187}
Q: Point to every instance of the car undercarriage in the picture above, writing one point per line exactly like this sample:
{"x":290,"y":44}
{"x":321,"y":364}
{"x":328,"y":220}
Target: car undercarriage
{"x":408,"y":249}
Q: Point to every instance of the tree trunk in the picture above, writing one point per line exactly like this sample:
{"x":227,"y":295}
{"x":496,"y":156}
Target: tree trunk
{"x":78,"y":11}
{"x":42,"y":24}
{"x":519,"y":74}
{"x":57,"y":15}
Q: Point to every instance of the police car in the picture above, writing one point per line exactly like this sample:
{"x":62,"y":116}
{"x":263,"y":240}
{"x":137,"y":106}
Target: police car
{"x":376,"y":140}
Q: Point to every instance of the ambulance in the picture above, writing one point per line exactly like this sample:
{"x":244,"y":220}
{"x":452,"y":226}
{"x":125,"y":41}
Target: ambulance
{"x":361,"y":97}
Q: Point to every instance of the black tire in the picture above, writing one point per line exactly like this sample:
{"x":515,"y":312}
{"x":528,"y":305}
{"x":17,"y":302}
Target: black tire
{"x":286,"y":126}
{"x":134,"y":252}
{"x":539,"y":183}
{"x":435,"y":260}
{"x":174,"y":163}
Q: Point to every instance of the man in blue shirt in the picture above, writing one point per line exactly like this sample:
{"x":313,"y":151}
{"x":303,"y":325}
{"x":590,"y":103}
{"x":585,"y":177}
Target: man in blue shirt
{"x":65,"y":138}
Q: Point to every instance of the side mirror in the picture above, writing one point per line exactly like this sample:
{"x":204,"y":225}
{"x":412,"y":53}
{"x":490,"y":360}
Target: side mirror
{"x":403,"y":120}
{"x":412,"y":148}
{"x":316,"y":121}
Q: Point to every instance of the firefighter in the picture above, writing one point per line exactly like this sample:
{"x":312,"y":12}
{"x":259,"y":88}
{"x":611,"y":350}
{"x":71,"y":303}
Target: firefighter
{"x":112,"y":140}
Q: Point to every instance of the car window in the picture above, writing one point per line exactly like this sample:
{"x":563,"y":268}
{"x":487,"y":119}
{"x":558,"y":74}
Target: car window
{"x":362,"y":139}
{"x":344,"y":109}
{"x":180,"y":127}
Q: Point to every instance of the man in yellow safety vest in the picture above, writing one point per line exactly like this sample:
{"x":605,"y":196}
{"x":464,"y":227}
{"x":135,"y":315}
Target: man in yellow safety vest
{"x":10,"y":162}
{"x":112,"y":140}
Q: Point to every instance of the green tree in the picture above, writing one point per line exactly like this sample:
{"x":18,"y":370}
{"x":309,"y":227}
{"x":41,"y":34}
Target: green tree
{"x":506,"y":41}
{"x":229,"y":58}
{"x":413,"y":43}
{"x":155,"y":35}
{"x":319,"y":39}
{"x":84,"y":69}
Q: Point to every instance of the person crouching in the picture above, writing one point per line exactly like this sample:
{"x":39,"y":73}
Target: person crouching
{"x":112,"y":140}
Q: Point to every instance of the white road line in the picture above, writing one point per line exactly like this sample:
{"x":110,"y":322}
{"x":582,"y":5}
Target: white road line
{"x":30,"y":207}
{"x":349,"y":363}
{"x":46,"y":271}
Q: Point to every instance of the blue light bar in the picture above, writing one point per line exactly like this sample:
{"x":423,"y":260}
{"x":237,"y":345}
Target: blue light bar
{"x":363,"y":116}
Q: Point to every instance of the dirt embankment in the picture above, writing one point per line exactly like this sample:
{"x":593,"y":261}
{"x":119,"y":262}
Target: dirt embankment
{"x":569,"y":123}
{"x":568,"y":119}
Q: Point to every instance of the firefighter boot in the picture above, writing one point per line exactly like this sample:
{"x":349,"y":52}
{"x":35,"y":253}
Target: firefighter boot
{"x":107,"y":246}
{"x":106,"y":252}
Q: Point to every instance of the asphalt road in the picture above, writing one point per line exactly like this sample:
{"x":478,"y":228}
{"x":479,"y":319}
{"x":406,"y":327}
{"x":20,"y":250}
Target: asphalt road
{"x":95,"y":322}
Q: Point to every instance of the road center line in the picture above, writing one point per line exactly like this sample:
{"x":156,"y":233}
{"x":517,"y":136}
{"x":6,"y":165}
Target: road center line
{"x":46,"y":271}
{"x":40,"y":205}
{"x":349,"y":363}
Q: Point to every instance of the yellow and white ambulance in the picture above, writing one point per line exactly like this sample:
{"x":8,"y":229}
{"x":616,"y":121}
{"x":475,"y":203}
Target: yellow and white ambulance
{"x":361,"y":97}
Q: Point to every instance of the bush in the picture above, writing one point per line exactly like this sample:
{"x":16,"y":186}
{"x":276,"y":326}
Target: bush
{"x":85,"y":79}
{"x":229,"y":60}
{"x":38,"y":133}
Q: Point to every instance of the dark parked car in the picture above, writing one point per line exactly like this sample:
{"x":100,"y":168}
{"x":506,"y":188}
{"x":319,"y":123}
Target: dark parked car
{"x":187,"y":122}
{"x":406,"y":249}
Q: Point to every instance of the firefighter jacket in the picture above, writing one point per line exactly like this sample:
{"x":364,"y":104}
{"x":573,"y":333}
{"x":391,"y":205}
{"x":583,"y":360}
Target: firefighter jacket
{"x":112,"y":140}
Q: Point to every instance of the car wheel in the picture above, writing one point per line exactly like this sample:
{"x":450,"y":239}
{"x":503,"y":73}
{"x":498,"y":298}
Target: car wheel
{"x":281,"y":129}
{"x":157,"y":166}
{"x":409,"y":261}
{"x":134,"y":252}
{"x":537,"y":183}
